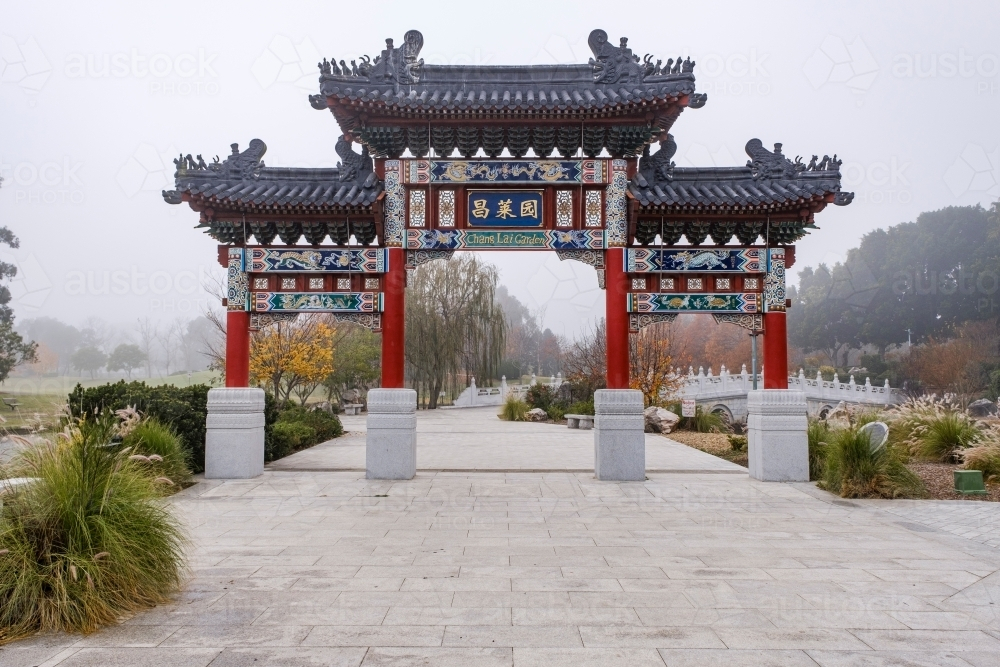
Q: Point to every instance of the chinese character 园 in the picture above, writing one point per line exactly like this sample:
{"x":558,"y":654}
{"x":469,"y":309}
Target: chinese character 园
{"x":528,"y":209}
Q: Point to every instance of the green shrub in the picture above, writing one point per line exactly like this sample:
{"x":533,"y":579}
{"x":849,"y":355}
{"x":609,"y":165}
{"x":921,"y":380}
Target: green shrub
{"x":738,"y":443}
{"x":985,"y":458}
{"x":184,"y":409}
{"x":514,"y":409}
{"x":287,"y":438}
{"x":945,"y":436}
{"x":539,"y":396}
{"x":556,"y":412}
{"x":854,"y":471}
{"x":87,"y":542}
{"x":819,"y":434}
{"x":581,"y":408}
{"x":151,"y":437}
{"x":326,"y":425}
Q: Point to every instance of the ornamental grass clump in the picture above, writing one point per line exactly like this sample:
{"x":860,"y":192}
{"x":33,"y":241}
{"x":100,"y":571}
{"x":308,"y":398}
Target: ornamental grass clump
{"x":933,"y":428}
{"x":163,"y":450}
{"x":514,"y":409}
{"x":985,"y":458}
{"x":88,"y":539}
{"x":704,"y":422}
{"x":818,"y":433}
{"x":853,"y":470}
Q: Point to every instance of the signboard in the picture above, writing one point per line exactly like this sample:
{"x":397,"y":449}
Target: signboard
{"x":528,"y":239}
{"x":505,"y":171}
{"x":740,"y":302}
{"x":504,"y":208}
{"x":730,"y":260}
{"x":366,"y":260}
{"x":688,"y":407}
{"x":317,"y":302}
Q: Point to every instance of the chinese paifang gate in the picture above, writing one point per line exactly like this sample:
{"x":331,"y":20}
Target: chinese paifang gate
{"x":540,"y":157}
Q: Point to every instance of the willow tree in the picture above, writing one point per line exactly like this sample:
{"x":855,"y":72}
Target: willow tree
{"x":454,"y":324}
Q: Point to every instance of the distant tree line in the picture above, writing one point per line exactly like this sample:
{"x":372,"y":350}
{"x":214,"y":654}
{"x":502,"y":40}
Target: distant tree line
{"x":925,"y":282}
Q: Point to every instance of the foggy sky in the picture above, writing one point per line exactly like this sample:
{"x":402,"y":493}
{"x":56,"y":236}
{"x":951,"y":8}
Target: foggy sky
{"x":97,"y":98}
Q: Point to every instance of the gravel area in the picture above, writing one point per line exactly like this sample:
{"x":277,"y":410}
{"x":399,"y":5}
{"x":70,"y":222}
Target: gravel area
{"x":716,"y":444}
{"x":940,"y":482}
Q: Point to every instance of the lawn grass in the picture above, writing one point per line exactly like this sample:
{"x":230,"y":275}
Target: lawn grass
{"x":33,"y":409}
{"x":63,"y":384}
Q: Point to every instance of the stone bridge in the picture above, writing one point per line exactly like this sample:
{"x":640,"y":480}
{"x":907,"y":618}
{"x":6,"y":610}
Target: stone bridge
{"x":726,"y":393}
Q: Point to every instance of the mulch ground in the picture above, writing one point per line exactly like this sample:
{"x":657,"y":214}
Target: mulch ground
{"x":938,"y":477}
{"x":716,"y":444}
{"x":940,"y":481}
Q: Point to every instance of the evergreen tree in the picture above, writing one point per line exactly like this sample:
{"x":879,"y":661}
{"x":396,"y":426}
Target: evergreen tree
{"x":14,"y":351}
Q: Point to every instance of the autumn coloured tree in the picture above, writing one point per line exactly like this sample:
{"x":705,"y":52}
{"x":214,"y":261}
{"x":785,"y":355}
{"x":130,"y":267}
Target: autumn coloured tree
{"x":652,"y":364}
{"x":293,"y":357}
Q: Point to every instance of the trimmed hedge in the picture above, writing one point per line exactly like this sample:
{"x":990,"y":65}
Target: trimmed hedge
{"x":297,"y":428}
{"x":184,"y":409}
{"x":287,"y":438}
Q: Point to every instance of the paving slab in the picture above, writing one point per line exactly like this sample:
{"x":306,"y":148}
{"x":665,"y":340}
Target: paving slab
{"x":504,"y":550}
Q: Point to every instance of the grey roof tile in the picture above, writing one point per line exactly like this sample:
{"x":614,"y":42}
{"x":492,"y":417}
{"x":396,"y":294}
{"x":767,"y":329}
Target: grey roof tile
{"x":243,"y":179}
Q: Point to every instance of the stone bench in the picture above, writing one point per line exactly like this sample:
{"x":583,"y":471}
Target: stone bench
{"x":353,"y":408}
{"x":585,"y":422}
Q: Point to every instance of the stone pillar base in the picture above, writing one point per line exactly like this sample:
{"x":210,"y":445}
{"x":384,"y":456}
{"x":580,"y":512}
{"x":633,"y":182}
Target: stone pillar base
{"x":234,"y":435}
{"x":391,"y":445}
{"x":619,"y":438}
{"x":777,"y":444}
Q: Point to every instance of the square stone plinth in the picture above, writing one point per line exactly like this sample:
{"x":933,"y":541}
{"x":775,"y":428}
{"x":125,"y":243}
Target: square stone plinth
{"x":234,"y":433}
{"x":391,"y":442}
{"x":619,"y":438}
{"x":777,"y":443}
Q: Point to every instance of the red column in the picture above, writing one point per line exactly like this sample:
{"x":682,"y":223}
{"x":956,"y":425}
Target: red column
{"x":616,"y":317}
{"x":775,"y":351}
{"x":237,"y":348}
{"x":394,"y":320}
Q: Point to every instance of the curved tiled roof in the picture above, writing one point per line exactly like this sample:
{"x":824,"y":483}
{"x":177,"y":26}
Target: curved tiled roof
{"x":769,"y":180}
{"x":539,"y":87}
{"x":243,"y":180}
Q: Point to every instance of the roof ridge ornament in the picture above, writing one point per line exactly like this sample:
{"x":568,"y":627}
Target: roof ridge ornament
{"x":768,"y":164}
{"x":613,"y":64}
{"x":659,"y":166}
{"x":396,"y":64}
{"x":354,"y":167}
{"x":239,"y":165}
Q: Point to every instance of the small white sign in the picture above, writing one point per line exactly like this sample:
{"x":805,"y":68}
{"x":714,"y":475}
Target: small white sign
{"x":687,"y":407}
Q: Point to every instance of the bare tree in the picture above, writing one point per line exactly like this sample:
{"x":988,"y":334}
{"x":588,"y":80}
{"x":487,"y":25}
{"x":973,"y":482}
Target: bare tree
{"x":147,"y":336}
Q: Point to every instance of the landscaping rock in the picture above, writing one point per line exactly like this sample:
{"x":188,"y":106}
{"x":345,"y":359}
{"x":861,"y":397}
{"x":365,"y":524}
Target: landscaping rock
{"x":839,"y":417}
{"x":982,"y":408}
{"x":659,"y":420}
{"x":537,"y":415}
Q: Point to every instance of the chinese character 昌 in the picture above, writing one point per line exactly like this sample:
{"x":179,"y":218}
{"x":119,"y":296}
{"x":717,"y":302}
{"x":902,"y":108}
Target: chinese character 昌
{"x":480,"y":210}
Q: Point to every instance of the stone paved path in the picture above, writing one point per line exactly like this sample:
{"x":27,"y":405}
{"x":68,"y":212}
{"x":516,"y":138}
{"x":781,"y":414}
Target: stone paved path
{"x":474,"y":439}
{"x":552,"y":568}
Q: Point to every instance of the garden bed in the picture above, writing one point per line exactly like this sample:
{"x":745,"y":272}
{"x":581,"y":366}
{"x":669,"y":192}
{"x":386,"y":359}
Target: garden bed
{"x":716,"y":444}
{"x":939,"y":479}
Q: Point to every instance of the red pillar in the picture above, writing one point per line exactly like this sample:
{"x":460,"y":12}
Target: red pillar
{"x":237,"y":348}
{"x":616,"y":318}
{"x":775,"y":351}
{"x":394,"y":320}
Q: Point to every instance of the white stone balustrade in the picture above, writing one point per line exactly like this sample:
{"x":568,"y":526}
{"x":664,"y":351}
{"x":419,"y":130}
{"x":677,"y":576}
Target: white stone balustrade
{"x":474,"y":396}
{"x":728,"y":391}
